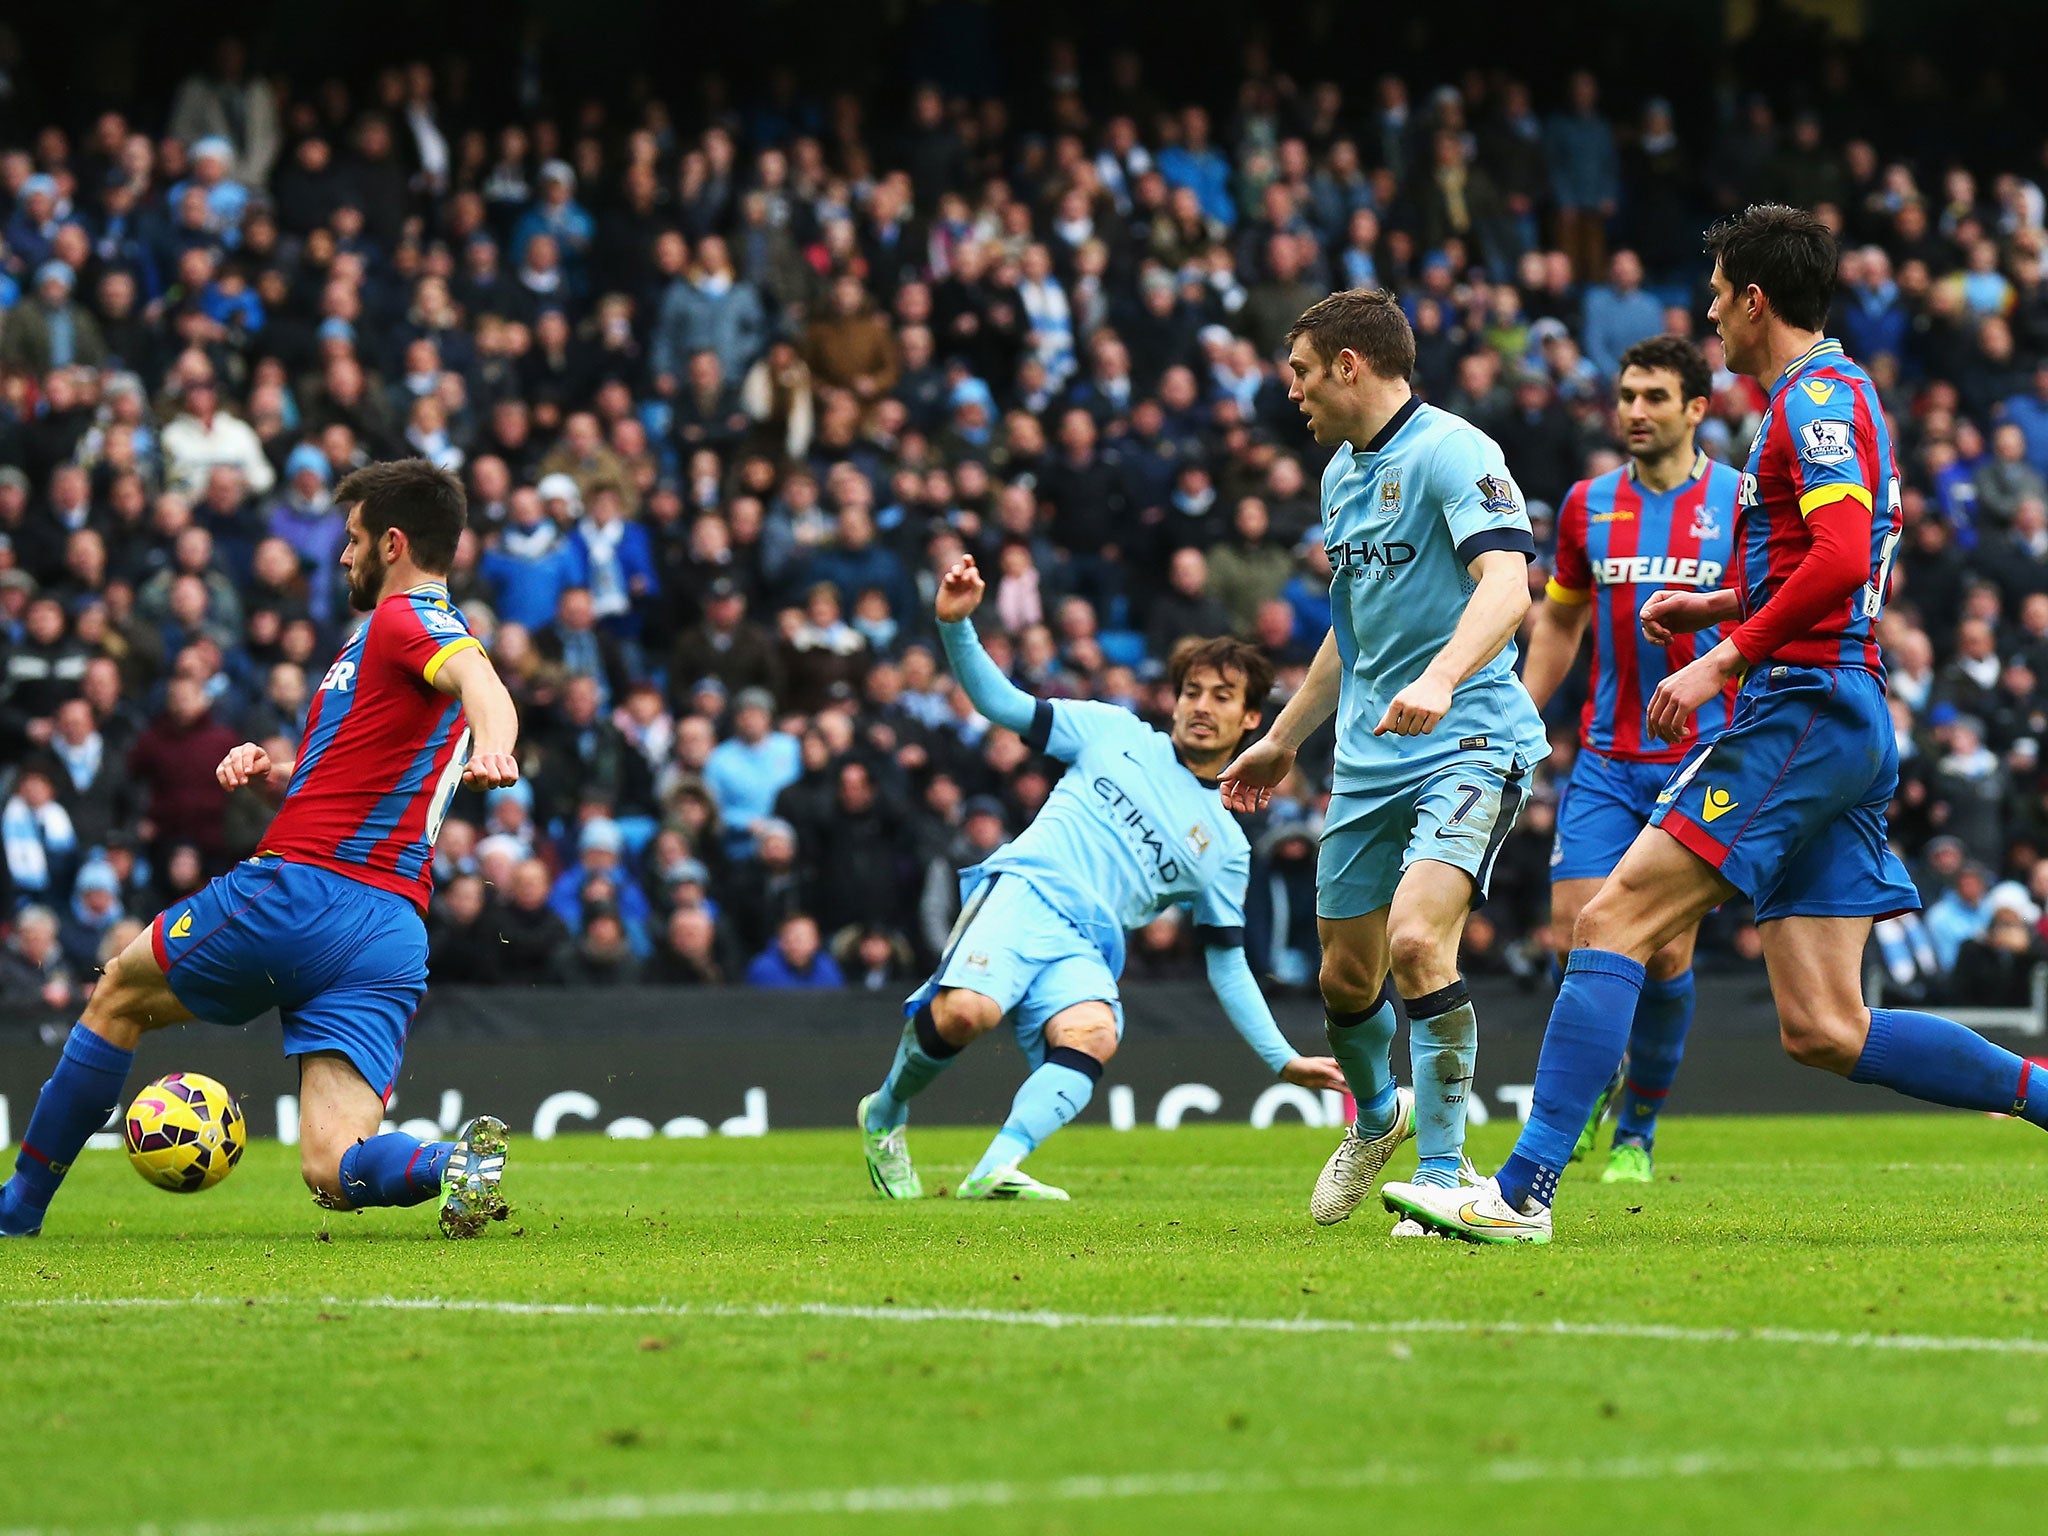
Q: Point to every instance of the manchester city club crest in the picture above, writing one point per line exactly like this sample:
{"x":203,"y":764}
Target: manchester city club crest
{"x":1390,"y":491}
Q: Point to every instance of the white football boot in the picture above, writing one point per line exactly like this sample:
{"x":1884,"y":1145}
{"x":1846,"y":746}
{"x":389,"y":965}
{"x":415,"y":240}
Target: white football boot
{"x":1011,"y":1183}
{"x":1475,"y":1212}
{"x":1347,"y":1178}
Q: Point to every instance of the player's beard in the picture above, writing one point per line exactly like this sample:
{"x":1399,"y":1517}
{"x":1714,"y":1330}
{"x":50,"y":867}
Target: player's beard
{"x":366,"y":580}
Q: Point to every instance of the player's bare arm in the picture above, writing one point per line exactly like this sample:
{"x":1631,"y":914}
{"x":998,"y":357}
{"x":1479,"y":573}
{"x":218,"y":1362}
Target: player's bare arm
{"x":1248,"y":783}
{"x":1488,"y":623}
{"x":493,"y":718}
{"x":1671,"y":613}
{"x":1553,"y":646}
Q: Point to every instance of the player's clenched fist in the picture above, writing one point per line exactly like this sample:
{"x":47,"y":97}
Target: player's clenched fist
{"x":1416,"y":709}
{"x":960,"y":591}
{"x":244,"y":764}
{"x":491,"y":770}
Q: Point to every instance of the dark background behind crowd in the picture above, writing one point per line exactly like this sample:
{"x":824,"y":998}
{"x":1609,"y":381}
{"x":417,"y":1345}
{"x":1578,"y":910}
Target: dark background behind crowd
{"x":737,"y":338}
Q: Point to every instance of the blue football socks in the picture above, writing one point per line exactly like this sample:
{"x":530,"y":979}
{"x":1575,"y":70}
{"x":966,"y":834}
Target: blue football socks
{"x":82,"y":1092}
{"x":1588,"y":1031}
{"x":1050,"y":1097}
{"x":1443,"y":1041}
{"x":1656,"y":1045}
{"x":393,"y":1169}
{"x":921,"y":1055}
{"x":1363,"y":1044}
{"x":1942,"y":1062}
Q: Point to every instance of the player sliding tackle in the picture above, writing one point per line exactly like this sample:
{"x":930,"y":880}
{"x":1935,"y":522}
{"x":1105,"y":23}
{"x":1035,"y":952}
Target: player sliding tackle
{"x":325,"y":924}
{"x":1134,"y":827}
{"x":1430,"y":547}
{"x":1788,"y":806}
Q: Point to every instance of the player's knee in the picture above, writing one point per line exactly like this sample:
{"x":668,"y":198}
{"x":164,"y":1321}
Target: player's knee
{"x":961,"y":1015}
{"x":1419,"y":958}
{"x":1349,"y":982}
{"x":1815,"y":1034}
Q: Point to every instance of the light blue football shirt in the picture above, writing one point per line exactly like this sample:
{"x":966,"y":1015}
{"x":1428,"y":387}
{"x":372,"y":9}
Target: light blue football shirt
{"x":1127,"y":832}
{"x":1402,"y":519}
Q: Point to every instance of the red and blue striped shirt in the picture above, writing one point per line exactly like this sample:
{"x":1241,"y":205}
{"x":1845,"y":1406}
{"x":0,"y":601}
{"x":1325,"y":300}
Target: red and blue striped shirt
{"x":1823,"y":440}
{"x":383,"y":750}
{"x":1618,"y":541}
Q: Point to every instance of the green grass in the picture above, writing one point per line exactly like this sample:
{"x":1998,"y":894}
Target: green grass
{"x":311,"y":1402}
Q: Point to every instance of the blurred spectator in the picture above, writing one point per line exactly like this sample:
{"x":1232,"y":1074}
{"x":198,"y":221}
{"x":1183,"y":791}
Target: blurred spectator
{"x":172,"y":763}
{"x":34,"y":974}
{"x":795,"y":959}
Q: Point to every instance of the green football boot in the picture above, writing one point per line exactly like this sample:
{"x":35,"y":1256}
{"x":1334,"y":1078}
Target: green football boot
{"x":889,"y":1166}
{"x":1011,"y":1183}
{"x":1601,"y":1106}
{"x":1628,"y":1163}
{"x":470,"y":1195}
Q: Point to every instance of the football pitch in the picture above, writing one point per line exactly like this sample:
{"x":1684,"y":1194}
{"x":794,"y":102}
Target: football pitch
{"x":1804,"y":1325}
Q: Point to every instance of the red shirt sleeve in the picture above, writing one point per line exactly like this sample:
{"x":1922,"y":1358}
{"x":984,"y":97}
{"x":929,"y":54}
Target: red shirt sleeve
{"x":1836,"y":565}
{"x":1571,"y":577}
{"x":422,"y":632}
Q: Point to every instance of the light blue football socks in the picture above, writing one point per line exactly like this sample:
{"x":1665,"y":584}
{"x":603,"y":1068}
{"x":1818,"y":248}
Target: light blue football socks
{"x":921,"y":1055}
{"x":1443,"y":1042}
{"x":1363,"y":1044}
{"x":1049,"y":1098}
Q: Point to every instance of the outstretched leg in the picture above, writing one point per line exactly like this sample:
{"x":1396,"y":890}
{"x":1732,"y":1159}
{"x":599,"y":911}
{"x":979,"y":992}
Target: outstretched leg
{"x":1079,"y":1041}
{"x":932,"y":1037}
{"x":131,"y":998}
{"x":1816,"y":981}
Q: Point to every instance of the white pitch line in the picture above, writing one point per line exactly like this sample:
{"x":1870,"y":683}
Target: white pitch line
{"x":1556,"y":1328}
{"x":928,"y":1498}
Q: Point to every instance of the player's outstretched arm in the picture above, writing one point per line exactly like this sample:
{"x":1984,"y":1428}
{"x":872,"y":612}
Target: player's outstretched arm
{"x":1248,"y":783}
{"x":998,"y":699}
{"x":1230,"y":977}
{"x":1489,"y":621}
{"x":1553,"y":647}
{"x":493,"y":718}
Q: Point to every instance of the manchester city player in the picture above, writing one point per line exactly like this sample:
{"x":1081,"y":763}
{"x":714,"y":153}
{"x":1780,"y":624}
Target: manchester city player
{"x":1665,"y":521}
{"x":1430,"y":546}
{"x":1135,"y":826}
{"x":1788,"y":805}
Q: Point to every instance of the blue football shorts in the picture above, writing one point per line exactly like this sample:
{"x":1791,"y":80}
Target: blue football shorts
{"x":1605,"y":806}
{"x":1789,"y":802}
{"x":1458,"y":813}
{"x":344,"y":964}
{"x":1011,"y":945}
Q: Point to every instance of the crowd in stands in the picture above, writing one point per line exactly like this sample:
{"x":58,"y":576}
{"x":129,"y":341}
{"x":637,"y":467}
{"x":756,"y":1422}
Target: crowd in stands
{"x":727,"y":387}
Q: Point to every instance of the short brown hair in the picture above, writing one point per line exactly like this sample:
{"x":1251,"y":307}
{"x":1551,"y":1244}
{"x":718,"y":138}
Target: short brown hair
{"x":422,"y":502}
{"x":1367,"y":320}
{"x":1679,"y":356}
{"x":1223,"y":655}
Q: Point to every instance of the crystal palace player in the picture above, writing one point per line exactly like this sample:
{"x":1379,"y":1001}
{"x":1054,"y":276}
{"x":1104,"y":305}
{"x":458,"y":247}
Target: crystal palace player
{"x":1788,"y":806}
{"x":1663,"y":522}
{"x":325,"y":923}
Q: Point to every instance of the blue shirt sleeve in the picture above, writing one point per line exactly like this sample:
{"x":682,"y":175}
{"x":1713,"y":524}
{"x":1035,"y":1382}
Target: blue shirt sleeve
{"x":1063,"y":728}
{"x":1230,"y":978}
{"x":1483,"y":506}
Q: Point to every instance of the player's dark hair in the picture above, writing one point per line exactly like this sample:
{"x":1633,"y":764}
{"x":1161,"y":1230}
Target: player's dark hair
{"x":423,"y":503}
{"x":1679,"y":356}
{"x":1786,"y":252}
{"x":1223,"y":655}
{"x":1367,"y":320}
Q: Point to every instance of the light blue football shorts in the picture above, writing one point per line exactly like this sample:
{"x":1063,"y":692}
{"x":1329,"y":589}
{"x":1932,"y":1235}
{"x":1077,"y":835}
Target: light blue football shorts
{"x":1011,"y":945}
{"x":1458,"y":813}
